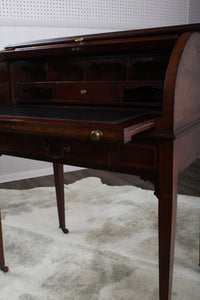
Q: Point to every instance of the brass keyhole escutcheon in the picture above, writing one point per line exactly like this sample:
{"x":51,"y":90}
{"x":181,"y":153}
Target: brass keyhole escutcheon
{"x":83,"y":92}
{"x":96,"y":135}
{"x":79,"y":40}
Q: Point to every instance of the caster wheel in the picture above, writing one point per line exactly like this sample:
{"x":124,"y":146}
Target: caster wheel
{"x":4,"y":269}
{"x":65,"y":230}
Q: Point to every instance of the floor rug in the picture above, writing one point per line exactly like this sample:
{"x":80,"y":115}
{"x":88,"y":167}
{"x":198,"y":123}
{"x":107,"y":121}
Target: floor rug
{"x":109,"y":253}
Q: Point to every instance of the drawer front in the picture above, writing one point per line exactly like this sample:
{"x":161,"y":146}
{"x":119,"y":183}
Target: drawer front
{"x":86,"y":92}
{"x":36,"y":92}
{"x":140,"y":93}
{"x":81,"y":153}
{"x":74,"y":92}
{"x":133,"y":155}
{"x":66,"y":150}
{"x":5,"y":142}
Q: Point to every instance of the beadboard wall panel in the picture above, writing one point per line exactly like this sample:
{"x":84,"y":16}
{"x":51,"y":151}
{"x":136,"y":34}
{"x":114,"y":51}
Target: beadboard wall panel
{"x":93,"y":13}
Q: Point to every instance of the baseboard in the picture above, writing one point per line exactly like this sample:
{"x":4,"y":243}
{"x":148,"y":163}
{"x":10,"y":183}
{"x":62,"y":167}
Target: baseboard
{"x":33,"y":173}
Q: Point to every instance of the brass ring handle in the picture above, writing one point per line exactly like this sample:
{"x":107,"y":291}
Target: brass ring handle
{"x":96,"y":135}
{"x":83,"y":92}
{"x":64,"y":149}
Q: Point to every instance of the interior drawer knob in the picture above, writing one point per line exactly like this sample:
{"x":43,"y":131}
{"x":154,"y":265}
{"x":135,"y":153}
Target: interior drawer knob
{"x":83,"y":92}
{"x":96,"y":135}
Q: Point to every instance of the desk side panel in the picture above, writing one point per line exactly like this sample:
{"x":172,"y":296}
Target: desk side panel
{"x":181,"y":98}
{"x":190,"y":142}
{"x":187,"y":89}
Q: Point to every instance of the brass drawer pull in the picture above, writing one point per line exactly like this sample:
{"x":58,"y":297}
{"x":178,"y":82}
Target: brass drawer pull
{"x":64,"y":149}
{"x":96,"y":135}
{"x":83,"y":92}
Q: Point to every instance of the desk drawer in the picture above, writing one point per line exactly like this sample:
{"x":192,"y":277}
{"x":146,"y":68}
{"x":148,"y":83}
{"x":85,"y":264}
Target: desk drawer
{"x":68,"y":151}
{"x":86,"y":92}
{"x":136,"y":155}
{"x":5,"y":142}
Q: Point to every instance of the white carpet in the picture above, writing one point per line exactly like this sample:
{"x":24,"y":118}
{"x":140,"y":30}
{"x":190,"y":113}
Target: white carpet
{"x":110,"y":252}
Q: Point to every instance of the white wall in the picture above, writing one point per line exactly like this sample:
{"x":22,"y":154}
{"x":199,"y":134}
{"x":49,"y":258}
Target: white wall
{"x":15,"y":168}
{"x":194,"y":11}
{"x":93,"y":13}
{"x":24,"y":20}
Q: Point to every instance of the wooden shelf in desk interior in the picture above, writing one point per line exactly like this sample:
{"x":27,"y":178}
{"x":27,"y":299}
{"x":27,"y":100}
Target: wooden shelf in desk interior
{"x":126,"y":102}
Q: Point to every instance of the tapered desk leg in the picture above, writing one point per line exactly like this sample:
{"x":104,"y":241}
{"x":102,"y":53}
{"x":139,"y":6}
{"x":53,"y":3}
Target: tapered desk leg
{"x":167,"y":225}
{"x":59,"y":185}
{"x":167,"y":208}
{"x":199,"y":239}
{"x":2,"y":261}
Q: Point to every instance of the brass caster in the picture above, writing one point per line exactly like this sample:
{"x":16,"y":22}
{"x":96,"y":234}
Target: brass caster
{"x":4,"y":269}
{"x":65,"y":230}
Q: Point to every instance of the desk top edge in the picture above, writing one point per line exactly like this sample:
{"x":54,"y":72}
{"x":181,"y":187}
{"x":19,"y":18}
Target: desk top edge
{"x":178,"y":29}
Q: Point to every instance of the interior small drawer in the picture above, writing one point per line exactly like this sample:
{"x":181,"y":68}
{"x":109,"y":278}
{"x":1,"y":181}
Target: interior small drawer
{"x":144,"y":93}
{"x":86,"y":92}
{"x":36,"y":92}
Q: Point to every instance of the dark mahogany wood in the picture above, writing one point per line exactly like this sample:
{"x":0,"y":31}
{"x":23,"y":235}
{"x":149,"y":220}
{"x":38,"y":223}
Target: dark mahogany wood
{"x":4,"y":83}
{"x":113,"y":35}
{"x":59,"y":185}
{"x":127,"y":102}
{"x":2,"y":261}
{"x":167,"y":205}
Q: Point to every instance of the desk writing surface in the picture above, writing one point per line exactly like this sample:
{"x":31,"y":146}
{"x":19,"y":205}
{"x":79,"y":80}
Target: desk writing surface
{"x":78,"y":122}
{"x":102,"y":115}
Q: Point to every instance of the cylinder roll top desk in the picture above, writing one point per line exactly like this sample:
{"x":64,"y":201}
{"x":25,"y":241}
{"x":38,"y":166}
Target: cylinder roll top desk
{"x":126,"y":101}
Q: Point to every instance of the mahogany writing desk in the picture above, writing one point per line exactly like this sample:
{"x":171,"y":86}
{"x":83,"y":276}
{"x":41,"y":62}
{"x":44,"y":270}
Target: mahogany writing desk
{"x":126,"y":102}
